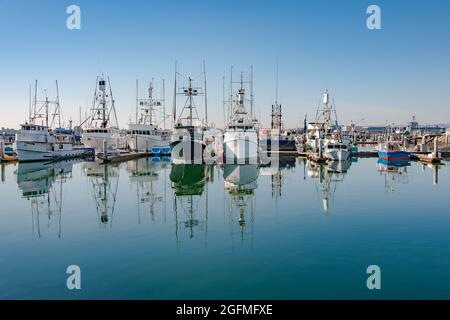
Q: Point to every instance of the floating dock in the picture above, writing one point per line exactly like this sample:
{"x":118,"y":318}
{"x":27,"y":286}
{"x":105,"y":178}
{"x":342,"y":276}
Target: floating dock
{"x":426,"y":158}
{"x":126,"y":156}
{"x":312,"y":156}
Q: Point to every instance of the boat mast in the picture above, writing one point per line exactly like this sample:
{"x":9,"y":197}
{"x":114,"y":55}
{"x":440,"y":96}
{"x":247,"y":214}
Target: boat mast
{"x":174,"y":107}
{"x":206,"y":99}
{"x":103,"y":89}
{"x":164,"y":103}
{"x":137,"y":100}
{"x":150,"y":96}
{"x":58,"y":107}
{"x":251,"y":93}
{"x":190,"y":101}
{"x":113,"y":107}
{"x":29,"y":101}
{"x":230,"y":104}
{"x":32,"y":120}
{"x":46,"y":108}
{"x":276,"y":87}
{"x":223,"y":101}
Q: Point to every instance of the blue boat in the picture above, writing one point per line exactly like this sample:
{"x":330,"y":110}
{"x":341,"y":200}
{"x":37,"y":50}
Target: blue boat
{"x":391,"y":152}
{"x":280,"y":145}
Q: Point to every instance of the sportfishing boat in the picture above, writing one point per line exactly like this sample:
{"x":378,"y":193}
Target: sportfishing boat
{"x":391,"y":152}
{"x":188,"y":141}
{"x":103,"y":129}
{"x":38,"y":142}
{"x":326,"y":130}
{"x":145,"y":134}
{"x":240,"y":138}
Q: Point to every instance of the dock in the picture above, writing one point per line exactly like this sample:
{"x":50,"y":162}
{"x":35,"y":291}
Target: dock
{"x":126,"y":156}
{"x":365,"y":154}
{"x":426,"y":158}
{"x":312,"y":156}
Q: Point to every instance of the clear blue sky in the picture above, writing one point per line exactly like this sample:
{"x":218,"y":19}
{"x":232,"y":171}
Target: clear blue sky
{"x":379,"y":75}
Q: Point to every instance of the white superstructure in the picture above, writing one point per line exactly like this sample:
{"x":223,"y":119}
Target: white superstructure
{"x":145,"y":134}
{"x":102,"y":123}
{"x":240,"y":138}
{"x":326,"y":130}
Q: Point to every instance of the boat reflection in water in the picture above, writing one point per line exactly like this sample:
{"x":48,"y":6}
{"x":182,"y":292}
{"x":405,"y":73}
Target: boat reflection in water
{"x":327,"y":177}
{"x":42,"y":185}
{"x":144,"y":174}
{"x":103,"y":181}
{"x":275,"y":169}
{"x":241,"y":182}
{"x":188,"y":184}
{"x":394,"y":172}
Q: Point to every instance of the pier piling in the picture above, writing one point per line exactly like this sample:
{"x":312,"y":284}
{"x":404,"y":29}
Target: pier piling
{"x":436,"y":147}
{"x":320,"y":148}
{"x":105,"y":149}
{"x":2,"y":150}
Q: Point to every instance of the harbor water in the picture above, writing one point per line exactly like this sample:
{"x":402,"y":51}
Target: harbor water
{"x":147,"y":229}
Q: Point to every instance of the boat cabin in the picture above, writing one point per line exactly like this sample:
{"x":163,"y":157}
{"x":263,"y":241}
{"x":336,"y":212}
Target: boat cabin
{"x":33,"y":127}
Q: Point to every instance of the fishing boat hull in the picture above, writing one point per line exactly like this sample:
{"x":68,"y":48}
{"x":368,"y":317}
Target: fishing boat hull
{"x":143,"y":143}
{"x":32,"y":151}
{"x":187,"y":152}
{"x":95,"y":140}
{"x":337,"y":155}
{"x":240,"y":147}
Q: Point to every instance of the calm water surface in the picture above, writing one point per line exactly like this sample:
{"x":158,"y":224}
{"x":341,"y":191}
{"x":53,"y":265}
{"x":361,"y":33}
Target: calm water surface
{"x":147,"y":229}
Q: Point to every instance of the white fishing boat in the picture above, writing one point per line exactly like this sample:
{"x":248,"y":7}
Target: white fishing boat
{"x":240,"y":138}
{"x":325,"y":130}
{"x":188,"y":139}
{"x":39,"y":142}
{"x":145,"y":134}
{"x":103,"y":129}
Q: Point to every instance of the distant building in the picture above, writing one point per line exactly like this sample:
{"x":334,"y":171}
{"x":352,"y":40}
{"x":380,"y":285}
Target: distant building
{"x":414,"y":128}
{"x":413,"y":125}
{"x":375,"y":129}
{"x":8,"y":135}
